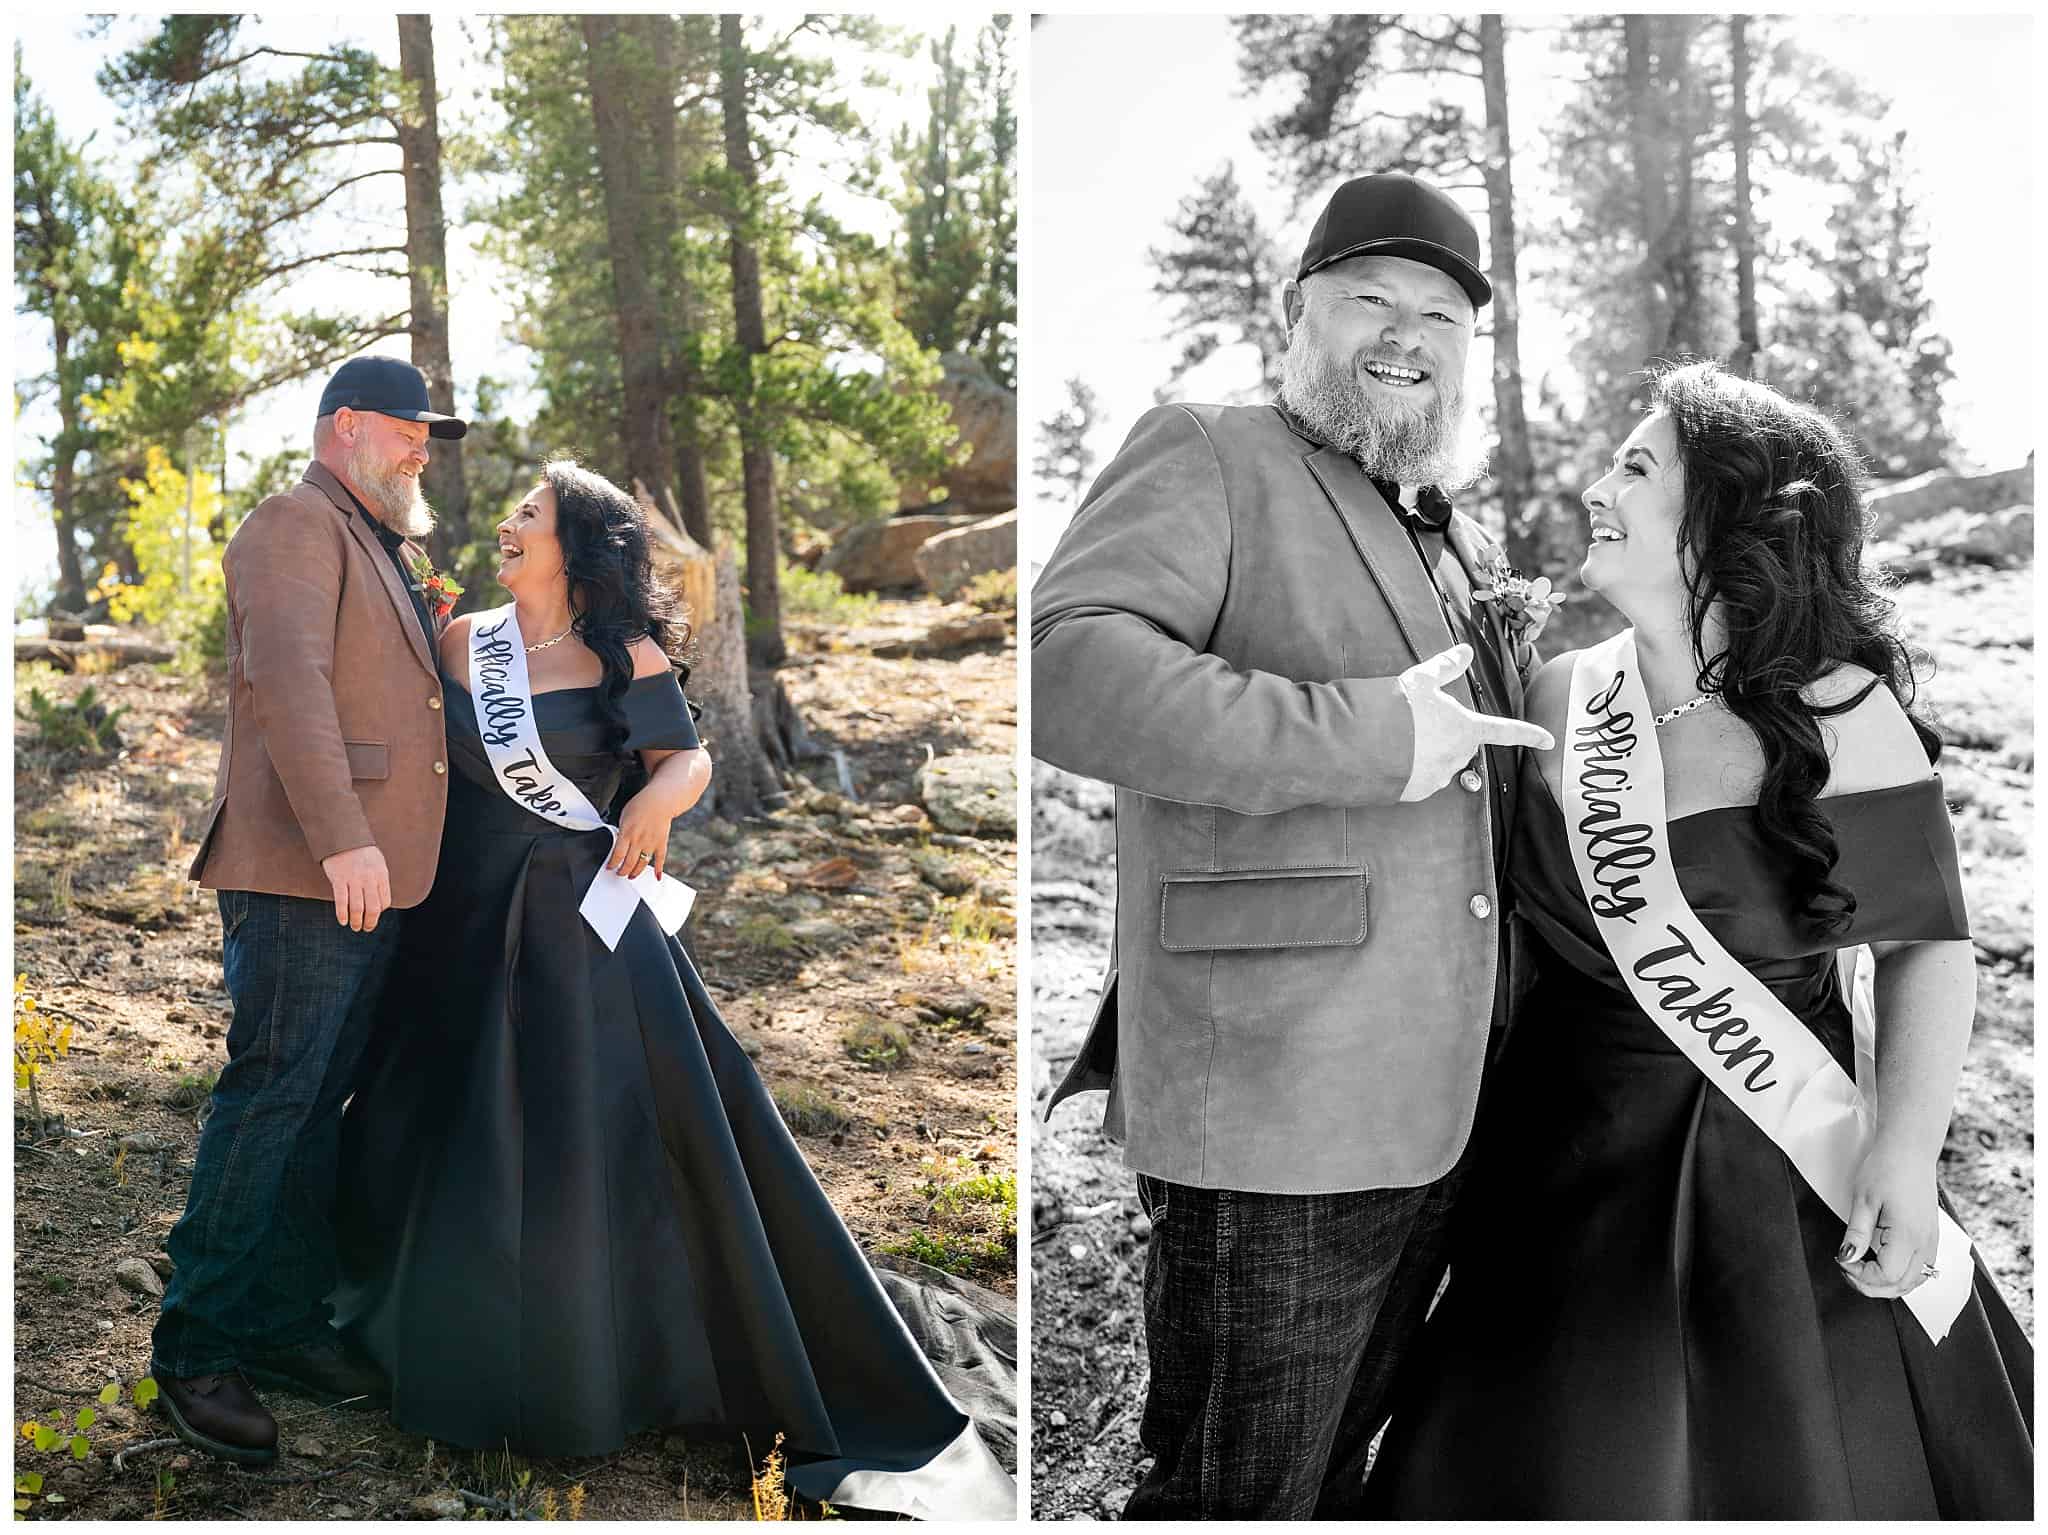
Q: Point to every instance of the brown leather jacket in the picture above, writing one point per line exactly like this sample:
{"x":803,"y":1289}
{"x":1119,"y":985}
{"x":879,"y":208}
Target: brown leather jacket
{"x":335,"y":735}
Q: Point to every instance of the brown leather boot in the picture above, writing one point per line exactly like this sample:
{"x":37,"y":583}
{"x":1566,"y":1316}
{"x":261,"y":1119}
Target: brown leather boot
{"x":221,"y":1415}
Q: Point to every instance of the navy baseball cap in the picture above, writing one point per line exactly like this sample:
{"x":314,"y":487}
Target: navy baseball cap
{"x":1393,"y":214}
{"x":390,"y":387}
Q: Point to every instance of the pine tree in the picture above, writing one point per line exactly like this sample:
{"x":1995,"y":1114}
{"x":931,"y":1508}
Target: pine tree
{"x":1221,"y":274}
{"x":1064,"y":461}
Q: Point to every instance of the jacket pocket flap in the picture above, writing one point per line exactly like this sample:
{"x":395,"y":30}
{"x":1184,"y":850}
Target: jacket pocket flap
{"x":1262,"y":908}
{"x":368,"y":759}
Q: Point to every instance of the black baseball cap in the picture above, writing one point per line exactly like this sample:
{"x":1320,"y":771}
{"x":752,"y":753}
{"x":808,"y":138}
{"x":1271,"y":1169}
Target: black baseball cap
{"x":1393,"y":214}
{"x":390,"y":387}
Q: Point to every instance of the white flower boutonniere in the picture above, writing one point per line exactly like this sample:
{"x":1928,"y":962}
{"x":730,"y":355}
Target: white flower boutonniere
{"x":1524,"y":605}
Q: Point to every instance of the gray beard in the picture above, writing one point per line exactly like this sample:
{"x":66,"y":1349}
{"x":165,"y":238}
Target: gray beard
{"x":395,"y":498}
{"x":1422,"y":446}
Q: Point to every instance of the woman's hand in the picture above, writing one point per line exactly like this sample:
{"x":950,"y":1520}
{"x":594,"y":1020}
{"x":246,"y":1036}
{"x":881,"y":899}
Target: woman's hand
{"x":643,"y":834}
{"x":676,"y":780}
{"x":1892,"y":1223}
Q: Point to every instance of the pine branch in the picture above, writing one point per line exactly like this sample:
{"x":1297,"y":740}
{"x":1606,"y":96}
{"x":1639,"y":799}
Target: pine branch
{"x":305,"y":261}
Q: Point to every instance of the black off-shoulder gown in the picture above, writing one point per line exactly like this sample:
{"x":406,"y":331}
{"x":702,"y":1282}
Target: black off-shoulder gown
{"x":1644,"y":1318}
{"x":569,"y":1209}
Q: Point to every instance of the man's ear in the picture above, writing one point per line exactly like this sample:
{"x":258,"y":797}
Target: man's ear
{"x":1291,"y":300}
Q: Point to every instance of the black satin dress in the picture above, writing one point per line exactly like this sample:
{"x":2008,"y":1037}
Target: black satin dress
{"x":569,"y":1209}
{"x":1644,"y":1318}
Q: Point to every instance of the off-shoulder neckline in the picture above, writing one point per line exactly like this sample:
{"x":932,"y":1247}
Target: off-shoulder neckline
{"x":1550,"y":794}
{"x":588,"y":687}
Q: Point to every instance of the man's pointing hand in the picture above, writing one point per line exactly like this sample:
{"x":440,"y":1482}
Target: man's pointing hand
{"x":1447,"y":734}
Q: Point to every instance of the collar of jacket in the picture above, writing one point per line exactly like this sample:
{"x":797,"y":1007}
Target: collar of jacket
{"x":1432,"y":510}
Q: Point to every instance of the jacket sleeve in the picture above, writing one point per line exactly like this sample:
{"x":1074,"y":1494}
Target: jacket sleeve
{"x":284,"y":570}
{"x":1122,"y":686}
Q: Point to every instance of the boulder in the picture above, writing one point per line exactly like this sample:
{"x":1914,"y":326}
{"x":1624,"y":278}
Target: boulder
{"x":985,"y":419}
{"x":974,"y":794}
{"x":881,"y":556}
{"x":1941,"y":490}
{"x":948,"y":561}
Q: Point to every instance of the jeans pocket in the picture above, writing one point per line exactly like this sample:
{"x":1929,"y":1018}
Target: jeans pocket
{"x":1153,"y":1199}
{"x":234,"y":911}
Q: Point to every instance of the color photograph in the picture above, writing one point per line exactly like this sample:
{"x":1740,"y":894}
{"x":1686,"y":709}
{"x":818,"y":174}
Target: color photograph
{"x":515,"y":767}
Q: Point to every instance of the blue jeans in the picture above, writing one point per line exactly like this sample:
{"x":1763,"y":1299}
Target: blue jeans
{"x":254,"y":1252}
{"x":1274,"y":1324}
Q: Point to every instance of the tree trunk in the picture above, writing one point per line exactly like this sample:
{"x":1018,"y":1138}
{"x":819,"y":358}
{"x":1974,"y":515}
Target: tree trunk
{"x":757,"y":464}
{"x":743,"y":781}
{"x":70,"y":593}
{"x":1653,"y":211}
{"x":426,"y":259}
{"x":635,"y":306}
{"x":658,"y":70}
{"x":1749,"y":342}
{"x":1684,"y":332}
{"x":1511,"y":461}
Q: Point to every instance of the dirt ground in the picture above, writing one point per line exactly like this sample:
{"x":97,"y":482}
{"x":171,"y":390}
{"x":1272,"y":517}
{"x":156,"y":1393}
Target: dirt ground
{"x":1088,"y":1236}
{"x":863,"y":956}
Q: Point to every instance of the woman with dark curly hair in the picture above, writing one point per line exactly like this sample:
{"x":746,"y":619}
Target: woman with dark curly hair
{"x":1703,"y":1269}
{"x":570,"y":1210}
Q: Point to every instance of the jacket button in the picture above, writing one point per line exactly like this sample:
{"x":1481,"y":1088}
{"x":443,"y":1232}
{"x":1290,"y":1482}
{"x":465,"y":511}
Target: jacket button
{"x":1481,"y":906}
{"x":1469,"y":781}
{"x":442,"y":767}
{"x":434,"y":702}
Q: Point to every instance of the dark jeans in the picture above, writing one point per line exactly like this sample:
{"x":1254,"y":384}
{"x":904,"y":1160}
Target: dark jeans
{"x":1274,"y":1324}
{"x":254,"y":1252}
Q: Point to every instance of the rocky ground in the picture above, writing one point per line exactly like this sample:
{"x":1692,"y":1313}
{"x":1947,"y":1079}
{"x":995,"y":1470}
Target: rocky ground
{"x":862,"y":952}
{"x":1088,"y":1237}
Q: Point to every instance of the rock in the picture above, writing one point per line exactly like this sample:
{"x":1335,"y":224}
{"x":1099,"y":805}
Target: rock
{"x":949,"y":634}
{"x":1941,"y":490}
{"x":938,"y":871}
{"x":819,"y":932}
{"x":1141,"y":1227}
{"x":907,"y":815}
{"x":948,"y":561}
{"x":959,"y":633}
{"x":972,"y":793}
{"x":145,"y":1142}
{"x":881,"y":556}
{"x":1114,"y":1500}
{"x":985,"y":418}
{"x":309,"y":1447}
{"x":138,"y":1278}
{"x":2002,"y":538}
{"x":444,"y":1504}
{"x":161,"y":1262}
{"x":1058,"y":1419}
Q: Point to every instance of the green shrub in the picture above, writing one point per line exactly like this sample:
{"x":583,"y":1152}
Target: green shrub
{"x":85,"y":727}
{"x":877,"y":1042}
{"x":822,"y":595}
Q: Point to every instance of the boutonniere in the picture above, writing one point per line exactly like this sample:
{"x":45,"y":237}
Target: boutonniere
{"x":1524,"y":605}
{"x":441,"y":591}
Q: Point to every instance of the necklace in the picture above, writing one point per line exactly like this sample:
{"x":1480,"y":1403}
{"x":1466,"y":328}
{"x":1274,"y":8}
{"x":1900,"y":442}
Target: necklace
{"x":544,"y":644}
{"x":1698,"y":702}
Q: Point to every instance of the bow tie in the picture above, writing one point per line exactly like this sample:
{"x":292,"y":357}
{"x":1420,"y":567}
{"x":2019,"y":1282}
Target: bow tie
{"x":1431,"y":512}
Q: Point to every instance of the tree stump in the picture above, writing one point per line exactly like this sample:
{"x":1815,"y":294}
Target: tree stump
{"x":744,"y":779}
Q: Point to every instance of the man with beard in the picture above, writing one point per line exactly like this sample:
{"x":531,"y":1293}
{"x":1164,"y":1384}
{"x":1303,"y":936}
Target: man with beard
{"x":1260,"y":627}
{"x":326,"y":824}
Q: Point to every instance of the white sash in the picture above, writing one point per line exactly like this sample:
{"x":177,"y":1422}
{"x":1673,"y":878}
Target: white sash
{"x":1727,"y":1022}
{"x":504,"y":717}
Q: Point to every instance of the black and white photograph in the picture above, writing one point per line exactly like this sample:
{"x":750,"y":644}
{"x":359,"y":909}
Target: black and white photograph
{"x":1529,"y":569}
{"x":514,"y":913}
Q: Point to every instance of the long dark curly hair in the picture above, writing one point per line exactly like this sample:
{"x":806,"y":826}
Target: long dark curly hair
{"x":614,"y":593}
{"x":1772,"y":529}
